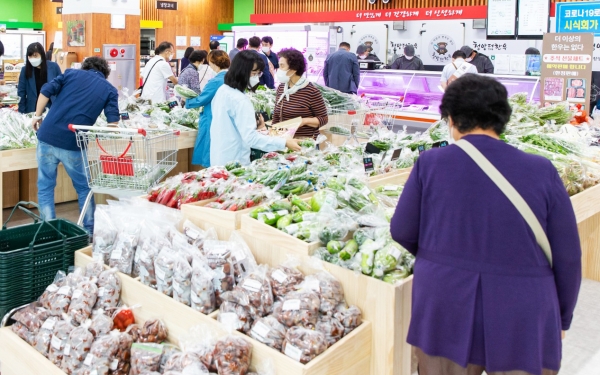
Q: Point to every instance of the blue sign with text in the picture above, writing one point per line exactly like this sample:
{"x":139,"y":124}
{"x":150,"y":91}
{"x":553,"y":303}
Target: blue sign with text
{"x":578,"y":17}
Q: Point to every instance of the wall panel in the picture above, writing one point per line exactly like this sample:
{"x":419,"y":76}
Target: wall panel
{"x":294,"y":6}
{"x":44,"y":11}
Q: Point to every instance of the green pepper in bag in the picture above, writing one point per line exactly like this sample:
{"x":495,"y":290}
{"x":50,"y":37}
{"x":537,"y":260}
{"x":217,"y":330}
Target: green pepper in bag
{"x":349,"y":250}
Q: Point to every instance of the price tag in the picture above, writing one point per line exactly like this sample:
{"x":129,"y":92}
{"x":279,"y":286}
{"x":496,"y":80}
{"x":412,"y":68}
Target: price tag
{"x":101,"y":292}
{"x":89,"y":359}
{"x":440,"y":144}
{"x":292,"y":352}
{"x":67,"y":350}
{"x":116,"y":254}
{"x":313,"y":284}
{"x":49,"y":324}
{"x":309,"y":216}
{"x":252,"y":285}
{"x":191,"y":233}
{"x":292,"y":229}
{"x":395,"y":253}
{"x":261,"y":330}
{"x":230,"y":320}
{"x":114,"y":365}
{"x":125,"y":116}
{"x":52,"y":288}
{"x":173,"y":104}
{"x":368,"y":164}
{"x":396,"y":154}
{"x":76,"y":294}
{"x":56,"y":343}
{"x":391,"y":188}
{"x":196,"y":299}
{"x":421,"y":149}
{"x":291,"y":304}
{"x":282,"y":212}
{"x":178,"y":288}
{"x":270,"y":215}
{"x":64,"y":290}
{"x":279,"y":275}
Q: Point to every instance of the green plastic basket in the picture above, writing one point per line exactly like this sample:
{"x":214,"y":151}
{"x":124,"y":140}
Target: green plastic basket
{"x":31,"y":255}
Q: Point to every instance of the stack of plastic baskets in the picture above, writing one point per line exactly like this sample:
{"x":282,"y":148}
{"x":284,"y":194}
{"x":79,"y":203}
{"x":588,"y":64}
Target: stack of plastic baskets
{"x":31,"y":255}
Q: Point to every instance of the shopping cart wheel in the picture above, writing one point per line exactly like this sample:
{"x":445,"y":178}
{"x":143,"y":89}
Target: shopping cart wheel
{"x":88,"y":199}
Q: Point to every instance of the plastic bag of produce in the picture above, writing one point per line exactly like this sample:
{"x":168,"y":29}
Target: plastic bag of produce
{"x":350,"y":317}
{"x":48,"y":295}
{"x":331,"y":328}
{"x":327,"y":287}
{"x":145,"y":358}
{"x":258,"y":288}
{"x":269,"y":331}
{"x":60,"y":301}
{"x":105,"y":234}
{"x":101,"y":324}
{"x":60,"y":335}
{"x":202,"y":288}
{"x":298,"y":308}
{"x":41,"y":341}
{"x":185,"y":92}
{"x":94,"y":269}
{"x":387,"y":258}
{"x":233,"y":355}
{"x":236,"y":310}
{"x":242,"y":259}
{"x":152,"y":331}
{"x":200,"y":341}
{"x":29,"y":320}
{"x":77,"y":347}
{"x":109,"y":290}
{"x":303,"y":345}
{"x":164,"y":265}
{"x":121,"y":365}
{"x":286,"y":277}
{"x":197,"y":236}
{"x":218,"y":257}
{"x":102,"y":354}
{"x":123,"y":251}
{"x":171,"y":359}
{"x":83,"y":300}
{"x":182,"y":280}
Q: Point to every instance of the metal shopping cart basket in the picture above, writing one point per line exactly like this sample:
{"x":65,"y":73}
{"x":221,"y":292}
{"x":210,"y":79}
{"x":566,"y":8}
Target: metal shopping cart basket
{"x":125,"y":162}
{"x":363,"y":122}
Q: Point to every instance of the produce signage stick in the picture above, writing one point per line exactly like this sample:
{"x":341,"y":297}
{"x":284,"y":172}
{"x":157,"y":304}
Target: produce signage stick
{"x":396,"y":154}
{"x":173,"y":104}
{"x":368,"y":163}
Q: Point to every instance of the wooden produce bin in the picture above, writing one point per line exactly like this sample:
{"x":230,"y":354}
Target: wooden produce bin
{"x":19,"y":358}
{"x":10,"y":189}
{"x":349,"y":356}
{"x":587,"y":212}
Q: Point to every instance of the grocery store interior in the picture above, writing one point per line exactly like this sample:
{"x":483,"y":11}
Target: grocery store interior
{"x":286,"y":193}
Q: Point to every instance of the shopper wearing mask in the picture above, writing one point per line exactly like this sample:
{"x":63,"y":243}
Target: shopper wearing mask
{"x":218,"y":61}
{"x":341,"y":70}
{"x":233,"y":129}
{"x":38,"y":71}
{"x":297,"y":97}
{"x":458,"y":60}
{"x":189,"y":76}
{"x":267,"y":49}
{"x":362,"y":52}
{"x":185,"y":61}
{"x":409,"y":61}
{"x":241,"y":45}
{"x":81,"y":96}
{"x":481,"y":61}
{"x":486,"y":296}
{"x":266,"y":79}
{"x":156,"y":73}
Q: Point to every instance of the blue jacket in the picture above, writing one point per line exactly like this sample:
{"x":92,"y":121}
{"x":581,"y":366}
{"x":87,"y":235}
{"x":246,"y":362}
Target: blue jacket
{"x":28,"y":92}
{"x":341,"y":71}
{"x":266,"y":79}
{"x":202,"y":147}
{"x":81,"y":96}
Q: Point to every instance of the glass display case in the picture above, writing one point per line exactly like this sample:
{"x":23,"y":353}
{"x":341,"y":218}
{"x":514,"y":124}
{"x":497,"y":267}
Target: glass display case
{"x":421,"y":93}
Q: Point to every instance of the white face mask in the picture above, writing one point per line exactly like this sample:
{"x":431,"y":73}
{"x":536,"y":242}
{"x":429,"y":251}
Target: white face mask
{"x":254,"y":80}
{"x":282,"y":76}
{"x":35,"y":62}
{"x":266,"y":49}
{"x":469,"y":59}
{"x":362,"y":57}
{"x":408,"y":57}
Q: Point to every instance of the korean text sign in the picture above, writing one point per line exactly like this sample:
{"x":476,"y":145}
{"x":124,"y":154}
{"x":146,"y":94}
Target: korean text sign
{"x":567,"y":68}
{"x":578,"y":17}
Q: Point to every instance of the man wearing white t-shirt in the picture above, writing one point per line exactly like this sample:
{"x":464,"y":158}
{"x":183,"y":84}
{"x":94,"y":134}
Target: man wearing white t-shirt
{"x":156,"y":73}
{"x":456,"y":68}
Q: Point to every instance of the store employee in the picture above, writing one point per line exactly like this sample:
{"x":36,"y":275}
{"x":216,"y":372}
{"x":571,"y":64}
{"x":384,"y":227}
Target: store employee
{"x":409,"y":61}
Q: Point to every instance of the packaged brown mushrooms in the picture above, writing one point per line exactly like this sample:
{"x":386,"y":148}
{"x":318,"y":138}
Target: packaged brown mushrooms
{"x":233,"y":355}
{"x":303,"y":344}
{"x":298,"y":308}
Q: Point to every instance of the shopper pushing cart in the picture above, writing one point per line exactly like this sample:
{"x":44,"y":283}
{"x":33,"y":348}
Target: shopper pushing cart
{"x":80,"y":97}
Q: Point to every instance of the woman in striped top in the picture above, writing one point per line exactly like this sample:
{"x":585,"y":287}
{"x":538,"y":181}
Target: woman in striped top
{"x":297,"y":97}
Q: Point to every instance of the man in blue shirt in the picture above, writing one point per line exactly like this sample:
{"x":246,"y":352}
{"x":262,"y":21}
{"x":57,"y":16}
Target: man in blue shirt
{"x":81,"y":96}
{"x":266,"y":79}
{"x":341,"y":70}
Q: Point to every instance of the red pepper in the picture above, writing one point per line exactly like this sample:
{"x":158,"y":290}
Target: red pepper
{"x":249,"y":203}
{"x":123,"y":319}
{"x":233,"y":207}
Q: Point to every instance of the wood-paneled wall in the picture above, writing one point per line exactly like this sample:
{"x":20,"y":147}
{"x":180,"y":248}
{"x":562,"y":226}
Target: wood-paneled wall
{"x":192,"y":18}
{"x":296,"y":6}
{"x":44,"y":11}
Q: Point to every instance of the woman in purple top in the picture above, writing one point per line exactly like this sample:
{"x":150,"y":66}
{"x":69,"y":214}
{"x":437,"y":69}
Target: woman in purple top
{"x":189,"y":76}
{"x":484,"y":294}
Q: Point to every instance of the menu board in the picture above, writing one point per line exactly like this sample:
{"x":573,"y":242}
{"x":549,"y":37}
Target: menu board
{"x":567,"y":69}
{"x":501,"y":21}
{"x":533,"y":18}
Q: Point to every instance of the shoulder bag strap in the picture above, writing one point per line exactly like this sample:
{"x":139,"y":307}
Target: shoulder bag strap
{"x":511,"y":193}
{"x":148,"y":76}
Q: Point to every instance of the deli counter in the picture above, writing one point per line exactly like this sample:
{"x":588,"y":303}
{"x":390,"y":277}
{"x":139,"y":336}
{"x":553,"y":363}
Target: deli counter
{"x":421,"y":94}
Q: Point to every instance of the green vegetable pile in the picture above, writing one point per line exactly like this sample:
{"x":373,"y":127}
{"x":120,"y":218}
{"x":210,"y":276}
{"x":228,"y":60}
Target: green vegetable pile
{"x":185,"y":92}
{"x":15,"y":130}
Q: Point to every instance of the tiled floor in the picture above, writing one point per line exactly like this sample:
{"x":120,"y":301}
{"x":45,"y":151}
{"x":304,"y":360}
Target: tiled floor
{"x":581,"y":347}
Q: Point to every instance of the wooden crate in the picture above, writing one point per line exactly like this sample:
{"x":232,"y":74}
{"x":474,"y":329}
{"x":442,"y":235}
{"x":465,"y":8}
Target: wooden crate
{"x":224,"y":222}
{"x":19,"y":358}
{"x":392,"y":179}
{"x":10,"y":189}
{"x":587,"y":212}
{"x":350,"y":356}
{"x":64,"y":191}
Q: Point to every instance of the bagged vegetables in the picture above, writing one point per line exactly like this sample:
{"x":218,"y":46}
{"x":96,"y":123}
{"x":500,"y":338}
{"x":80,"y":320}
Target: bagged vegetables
{"x":145,"y":358}
{"x":121,"y":364}
{"x":236,"y":310}
{"x":102,"y":354}
{"x":218,"y":256}
{"x":298,"y":308}
{"x":257,"y":287}
{"x":182,"y":280}
{"x":303,"y":344}
{"x":105,"y":234}
{"x":350,"y":317}
{"x":164,"y":265}
{"x":153,"y":331}
{"x":285,"y":278}
{"x":331,"y":328}
{"x":77,"y":347}
{"x":60,"y":335}
{"x":41,"y":340}
{"x":83,"y":300}
{"x":102,"y":324}
{"x":327,"y":287}
{"x":232,"y":356}
{"x":269,"y":331}
{"x":109,"y":290}
{"x":202,"y":290}
{"x":46,"y":297}
{"x":29,"y":320}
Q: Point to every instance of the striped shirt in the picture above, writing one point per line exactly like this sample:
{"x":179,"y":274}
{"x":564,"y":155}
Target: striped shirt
{"x":306,"y":102}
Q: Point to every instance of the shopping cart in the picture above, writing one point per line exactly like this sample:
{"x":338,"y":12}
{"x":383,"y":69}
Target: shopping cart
{"x":124,"y":162}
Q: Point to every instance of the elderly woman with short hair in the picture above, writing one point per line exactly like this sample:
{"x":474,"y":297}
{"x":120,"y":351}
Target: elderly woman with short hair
{"x":496,"y":277}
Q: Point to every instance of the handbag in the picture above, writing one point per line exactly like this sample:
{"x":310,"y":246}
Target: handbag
{"x":511,"y":193}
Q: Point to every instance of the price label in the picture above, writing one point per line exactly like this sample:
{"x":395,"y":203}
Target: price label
{"x":292,"y":352}
{"x":65,"y":291}
{"x":67,"y":350}
{"x":125,"y":116}
{"x":230,"y":320}
{"x":78,"y":293}
{"x":279,"y":275}
{"x":116,"y":254}
{"x":191,"y":233}
{"x":421,"y":149}
{"x":49,"y":324}
{"x":160,"y":273}
{"x":173,"y":104}
{"x":89,"y":359}
{"x":282,"y":212}
{"x":440,"y":144}
{"x":252,"y":285}
{"x":56,"y":343}
{"x":261,"y":330}
{"x":292,"y":304}
{"x":313,"y":284}
{"x":371,"y":149}
{"x":292,"y":229}
{"x":114,"y":365}
{"x":52,"y":288}
{"x":396,"y":154}
{"x":368,"y":164}
{"x":395,"y":253}
{"x":270,"y":215}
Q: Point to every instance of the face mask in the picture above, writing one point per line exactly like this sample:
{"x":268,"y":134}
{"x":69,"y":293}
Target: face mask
{"x":266,"y":49}
{"x":282,"y":76}
{"x":408,"y":57}
{"x":35,"y":62}
{"x":362,"y":57}
{"x":254,"y":80}
{"x":469,"y":59}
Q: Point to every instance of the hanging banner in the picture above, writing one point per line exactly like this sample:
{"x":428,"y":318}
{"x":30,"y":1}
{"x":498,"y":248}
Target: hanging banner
{"x":578,"y":17}
{"x":567,"y":68}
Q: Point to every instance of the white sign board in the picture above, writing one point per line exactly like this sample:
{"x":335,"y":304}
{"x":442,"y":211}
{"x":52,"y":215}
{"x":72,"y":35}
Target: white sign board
{"x":502,"y":15}
{"x":129,"y":7}
{"x":533,"y":17}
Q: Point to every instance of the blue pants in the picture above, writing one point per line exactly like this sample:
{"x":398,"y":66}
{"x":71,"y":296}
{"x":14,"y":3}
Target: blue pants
{"x":48,"y":158}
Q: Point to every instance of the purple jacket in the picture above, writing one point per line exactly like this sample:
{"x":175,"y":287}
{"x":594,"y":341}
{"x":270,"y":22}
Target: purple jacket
{"x":483,"y":290}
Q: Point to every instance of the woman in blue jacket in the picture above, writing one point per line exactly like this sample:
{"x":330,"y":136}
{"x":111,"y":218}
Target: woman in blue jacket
{"x":38,"y":71}
{"x":219,"y":62}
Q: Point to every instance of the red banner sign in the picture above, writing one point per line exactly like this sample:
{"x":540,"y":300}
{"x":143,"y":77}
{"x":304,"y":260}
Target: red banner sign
{"x":449,"y":13}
